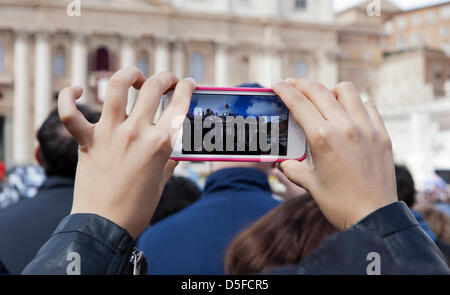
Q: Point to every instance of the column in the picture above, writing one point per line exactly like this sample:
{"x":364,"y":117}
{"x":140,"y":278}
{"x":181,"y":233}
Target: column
{"x":221,"y":65}
{"x":161,"y":63}
{"x":275,"y":69}
{"x":127,"y":52}
{"x":328,"y":68}
{"x":271,"y":54}
{"x":42,"y":79}
{"x":420,"y":159}
{"x":270,"y":66}
{"x":21,"y":113}
{"x":128,"y":59}
{"x":161,"y":55}
{"x":79,"y":65}
{"x":178,"y":59}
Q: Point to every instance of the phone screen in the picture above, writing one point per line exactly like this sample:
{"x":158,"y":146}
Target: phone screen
{"x":236,"y":124}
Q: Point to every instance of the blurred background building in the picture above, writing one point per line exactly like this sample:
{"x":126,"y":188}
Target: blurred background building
{"x":398,"y":59}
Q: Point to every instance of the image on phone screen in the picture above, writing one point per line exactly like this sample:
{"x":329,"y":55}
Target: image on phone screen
{"x":235,"y":124}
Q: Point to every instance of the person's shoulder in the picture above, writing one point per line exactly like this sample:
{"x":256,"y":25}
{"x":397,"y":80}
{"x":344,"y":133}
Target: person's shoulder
{"x":38,"y":206}
{"x":18,"y":213}
{"x":55,"y":194}
{"x":265,"y":200}
{"x":269,"y":202}
{"x":163,"y":232}
{"x":178,"y":219}
{"x":15,"y":210}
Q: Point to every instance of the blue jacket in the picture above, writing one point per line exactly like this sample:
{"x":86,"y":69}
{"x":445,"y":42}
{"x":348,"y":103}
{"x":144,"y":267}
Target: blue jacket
{"x":28,"y":224}
{"x":194,"y":240}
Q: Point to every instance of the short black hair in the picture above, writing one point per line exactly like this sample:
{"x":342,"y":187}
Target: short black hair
{"x":58,"y":151}
{"x":406,"y":190}
{"x":179,"y":193}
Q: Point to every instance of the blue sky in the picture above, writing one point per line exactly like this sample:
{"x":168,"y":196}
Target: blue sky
{"x":250,"y":105}
{"x":403,"y":4}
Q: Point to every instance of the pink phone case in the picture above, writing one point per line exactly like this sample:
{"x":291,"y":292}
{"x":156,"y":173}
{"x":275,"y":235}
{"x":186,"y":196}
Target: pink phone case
{"x":268,"y":160}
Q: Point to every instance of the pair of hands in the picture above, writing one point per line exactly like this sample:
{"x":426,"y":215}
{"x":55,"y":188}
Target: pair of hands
{"x":123,"y":161}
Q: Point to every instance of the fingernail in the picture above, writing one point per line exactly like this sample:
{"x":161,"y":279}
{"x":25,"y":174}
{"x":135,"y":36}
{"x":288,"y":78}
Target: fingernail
{"x":189,"y":79}
{"x":77,"y":90}
{"x":277,"y":81}
{"x":290,"y":80}
{"x":76,"y":87}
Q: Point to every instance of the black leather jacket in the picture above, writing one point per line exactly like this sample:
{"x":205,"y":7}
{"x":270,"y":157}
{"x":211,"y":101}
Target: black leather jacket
{"x":88,"y":244}
{"x":105,"y":248}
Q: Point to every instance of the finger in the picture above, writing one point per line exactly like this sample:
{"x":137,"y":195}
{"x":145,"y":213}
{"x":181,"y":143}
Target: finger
{"x":303,"y":111}
{"x":375,"y":117}
{"x":280,"y":176}
{"x":71,"y":117}
{"x":291,"y":188}
{"x":114,"y":107}
{"x":347,"y":95}
{"x":150,"y":96}
{"x":178,"y":106}
{"x":320,"y":96}
{"x":299,"y":173}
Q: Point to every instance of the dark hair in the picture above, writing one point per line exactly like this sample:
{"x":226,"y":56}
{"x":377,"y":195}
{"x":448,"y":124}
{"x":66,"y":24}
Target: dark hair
{"x":179,"y":193}
{"x":284,"y":236}
{"x":58,"y":151}
{"x":405,"y":185}
{"x":438,"y":221}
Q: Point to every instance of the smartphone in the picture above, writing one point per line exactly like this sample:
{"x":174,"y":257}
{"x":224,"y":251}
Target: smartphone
{"x":238,"y":125}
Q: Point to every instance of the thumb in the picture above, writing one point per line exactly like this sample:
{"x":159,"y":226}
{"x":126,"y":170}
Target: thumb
{"x":280,"y":176}
{"x":299,"y":173}
{"x":71,"y":117}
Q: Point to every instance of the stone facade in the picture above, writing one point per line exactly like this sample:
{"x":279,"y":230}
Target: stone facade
{"x":409,"y":84}
{"x":422,"y":27}
{"x":43,"y":49}
{"x":413,"y":95}
{"x":224,"y":43}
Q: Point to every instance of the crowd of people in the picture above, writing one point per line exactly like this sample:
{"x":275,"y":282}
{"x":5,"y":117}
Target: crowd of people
{"x":109,"y":195}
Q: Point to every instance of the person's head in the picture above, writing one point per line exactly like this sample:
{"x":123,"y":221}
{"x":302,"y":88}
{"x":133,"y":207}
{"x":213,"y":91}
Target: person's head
{"x":58,"y":150}
{"x":438,"y":221}
{"x":405,"y":185}
{"x":178,"y":193}
{"x":284,"y":236}
{"x":265,"y":167}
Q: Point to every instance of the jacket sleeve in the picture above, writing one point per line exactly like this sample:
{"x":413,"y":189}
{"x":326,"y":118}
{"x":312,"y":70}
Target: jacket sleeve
{"x":405,"y":240}
{"x":390,"y":233}
{"x":87,"y":244}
